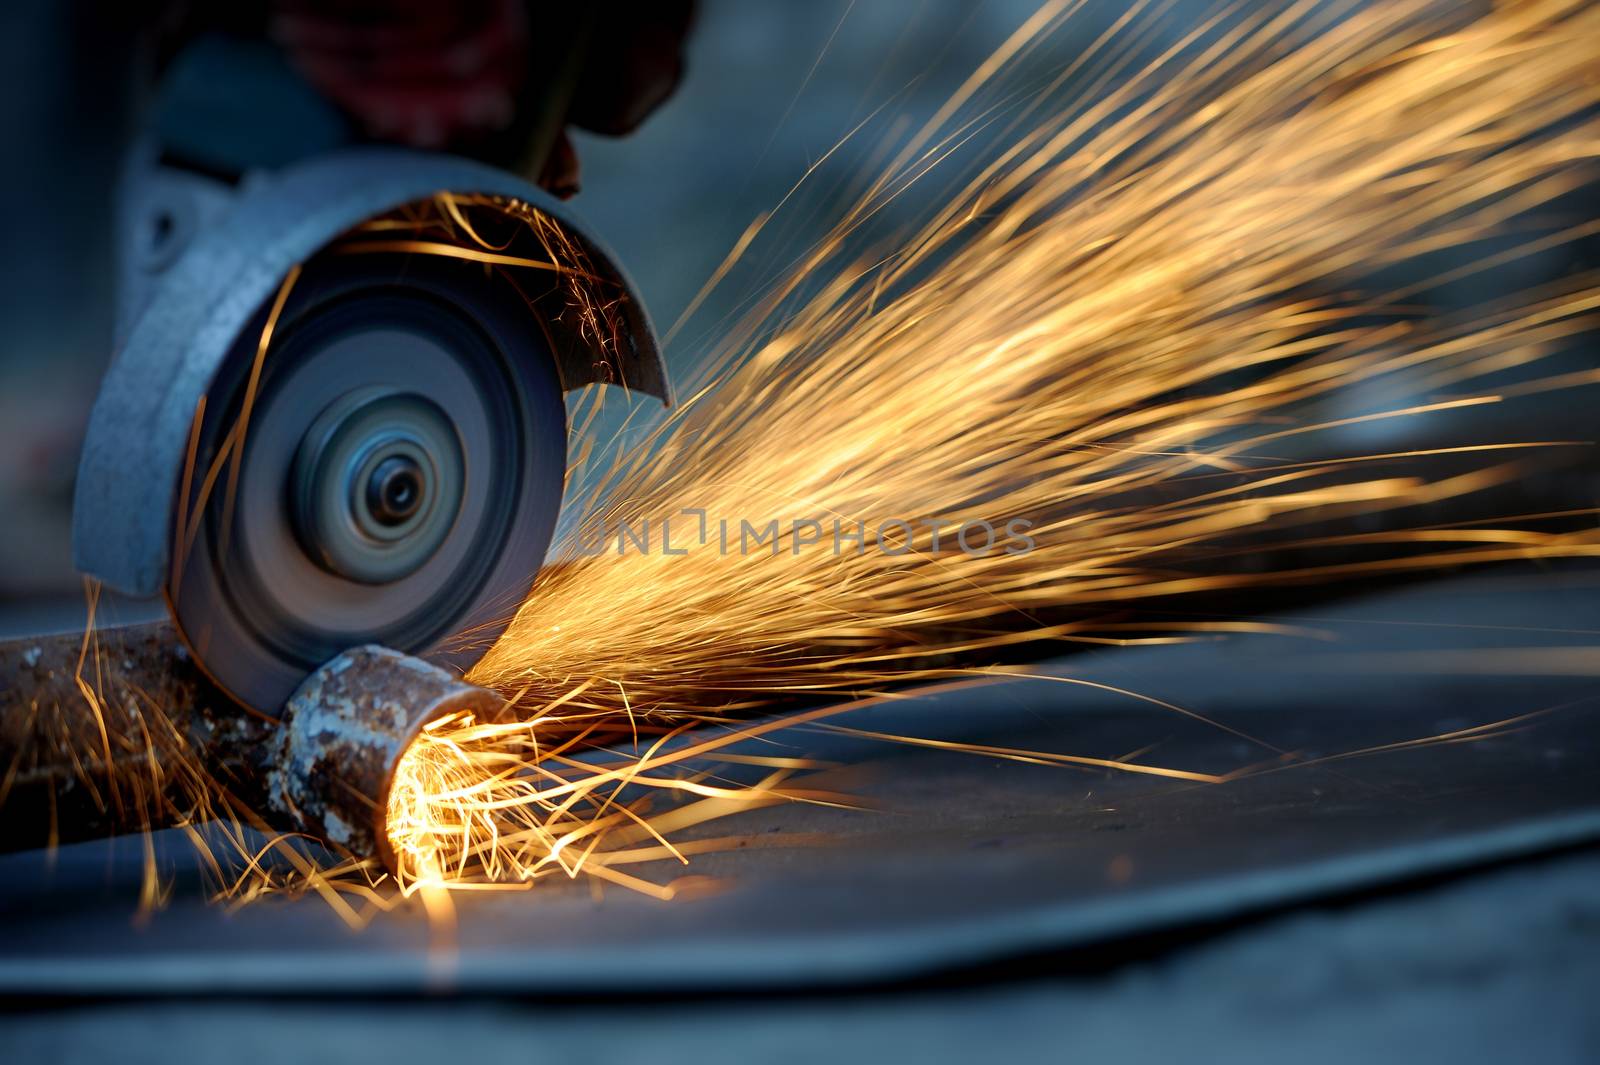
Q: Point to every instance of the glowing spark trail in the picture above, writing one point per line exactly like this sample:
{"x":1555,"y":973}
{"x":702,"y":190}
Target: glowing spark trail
{"x":1128,"y":298}
{"x":1111,"y":325}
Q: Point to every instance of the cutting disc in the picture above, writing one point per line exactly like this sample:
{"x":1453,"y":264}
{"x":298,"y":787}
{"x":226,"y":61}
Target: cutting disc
{"x":388,"y":469}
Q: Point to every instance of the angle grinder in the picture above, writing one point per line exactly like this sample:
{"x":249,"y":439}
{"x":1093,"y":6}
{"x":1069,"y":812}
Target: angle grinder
{"x":336,"y":414}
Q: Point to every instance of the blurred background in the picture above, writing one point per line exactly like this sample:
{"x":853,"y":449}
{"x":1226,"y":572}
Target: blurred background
{"x":766,"y":90}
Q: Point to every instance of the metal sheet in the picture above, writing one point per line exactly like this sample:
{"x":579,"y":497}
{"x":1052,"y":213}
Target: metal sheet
{"x":973,"y":861}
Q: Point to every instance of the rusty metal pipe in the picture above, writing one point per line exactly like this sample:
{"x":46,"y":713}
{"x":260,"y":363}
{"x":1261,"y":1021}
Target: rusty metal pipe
{"x":103,"y":737}
{"x":125,"y":734}
{"x":343,"y":734}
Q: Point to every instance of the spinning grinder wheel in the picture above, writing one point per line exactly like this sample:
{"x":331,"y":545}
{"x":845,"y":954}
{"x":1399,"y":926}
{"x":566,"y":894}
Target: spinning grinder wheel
{"x":307,"y":450}
{"x":399,"y":482}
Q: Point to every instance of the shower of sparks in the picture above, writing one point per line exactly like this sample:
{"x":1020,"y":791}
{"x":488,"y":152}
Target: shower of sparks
{"x":1109,"y":331}
{"x":496,"y":800}
{"x":1111,"y":324}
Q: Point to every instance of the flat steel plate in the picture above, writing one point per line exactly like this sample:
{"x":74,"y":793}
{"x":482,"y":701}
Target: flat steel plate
{"x":972,"y":860}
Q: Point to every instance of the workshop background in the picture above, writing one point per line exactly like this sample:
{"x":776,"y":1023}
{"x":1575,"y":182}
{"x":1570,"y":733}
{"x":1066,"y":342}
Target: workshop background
{"x":1486,"y":952}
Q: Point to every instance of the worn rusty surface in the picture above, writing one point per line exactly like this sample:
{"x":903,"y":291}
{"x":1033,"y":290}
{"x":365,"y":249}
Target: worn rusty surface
{"x":123,"y":733}
{"x":117,"y":733}
{"x":343,"y":733}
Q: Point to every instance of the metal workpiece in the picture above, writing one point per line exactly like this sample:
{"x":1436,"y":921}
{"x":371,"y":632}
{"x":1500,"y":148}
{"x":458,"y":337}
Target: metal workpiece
{"x":956,"y":861}
{"x":342,"y":735}
{"x":123,"y":733}
{"x":117,"y":733}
